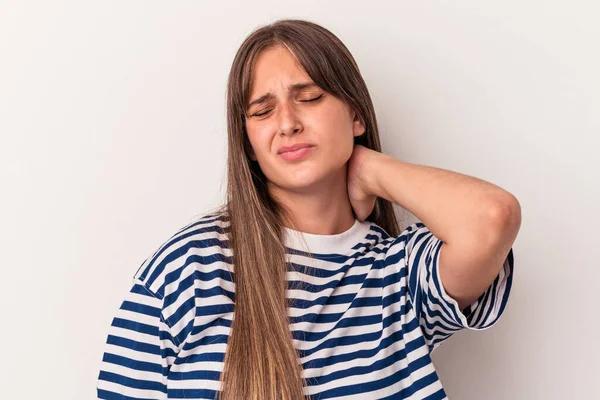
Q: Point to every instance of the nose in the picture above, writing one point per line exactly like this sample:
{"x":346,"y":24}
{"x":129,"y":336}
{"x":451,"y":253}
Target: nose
{"x":289,"y":123}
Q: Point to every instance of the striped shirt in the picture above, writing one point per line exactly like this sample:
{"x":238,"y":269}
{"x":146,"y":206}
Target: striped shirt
{"x":367,"y":316}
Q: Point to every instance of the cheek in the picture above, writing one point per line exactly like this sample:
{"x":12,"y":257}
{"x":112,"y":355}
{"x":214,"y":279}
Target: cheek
{"x":338,"y":135}
{"x":258,"y":140}
{"x":345,"y":149}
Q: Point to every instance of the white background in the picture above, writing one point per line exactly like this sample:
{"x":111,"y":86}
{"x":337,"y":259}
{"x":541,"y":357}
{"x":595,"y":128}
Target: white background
{"x":113,"y":136}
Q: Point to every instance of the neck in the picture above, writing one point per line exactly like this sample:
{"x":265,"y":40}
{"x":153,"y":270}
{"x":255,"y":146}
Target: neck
{"x":322,"y":209}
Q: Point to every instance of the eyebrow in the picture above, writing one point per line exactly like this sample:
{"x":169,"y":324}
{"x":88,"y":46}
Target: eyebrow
{"x":294,"y":87}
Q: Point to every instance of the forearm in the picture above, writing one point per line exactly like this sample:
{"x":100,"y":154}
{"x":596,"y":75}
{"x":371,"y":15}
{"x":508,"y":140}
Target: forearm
{"x":455,"y":207}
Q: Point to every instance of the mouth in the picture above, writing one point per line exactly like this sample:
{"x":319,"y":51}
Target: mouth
{"x":300,"y":153}
{"x":297,"y":146}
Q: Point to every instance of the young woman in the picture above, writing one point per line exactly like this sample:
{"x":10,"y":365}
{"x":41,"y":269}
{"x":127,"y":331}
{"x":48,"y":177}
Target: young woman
{"x":302,"y":285}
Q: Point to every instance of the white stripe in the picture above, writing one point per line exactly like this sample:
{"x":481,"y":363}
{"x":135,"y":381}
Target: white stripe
{"x":127,"y":391}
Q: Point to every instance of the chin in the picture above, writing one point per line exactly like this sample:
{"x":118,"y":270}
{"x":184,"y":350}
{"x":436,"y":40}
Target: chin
{"x":305,"y":183}
{"x":303,"y":178}
{"x":297,"y":181}
{"x":299,"y":185}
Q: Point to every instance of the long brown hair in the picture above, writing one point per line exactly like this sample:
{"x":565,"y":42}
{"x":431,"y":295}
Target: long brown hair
{"x":261,"y":361}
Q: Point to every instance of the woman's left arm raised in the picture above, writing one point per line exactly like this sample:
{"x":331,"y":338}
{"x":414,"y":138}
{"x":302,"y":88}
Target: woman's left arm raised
{"x":477,"y":220}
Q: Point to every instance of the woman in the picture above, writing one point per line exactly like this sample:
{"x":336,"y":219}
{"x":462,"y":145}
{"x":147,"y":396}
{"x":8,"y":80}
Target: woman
{"x":330,"y":299}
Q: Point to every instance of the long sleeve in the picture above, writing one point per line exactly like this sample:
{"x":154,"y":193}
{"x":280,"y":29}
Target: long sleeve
{"x":139,"y":350}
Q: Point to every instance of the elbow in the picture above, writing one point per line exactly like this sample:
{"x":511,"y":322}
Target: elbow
{"x":505,"y":216}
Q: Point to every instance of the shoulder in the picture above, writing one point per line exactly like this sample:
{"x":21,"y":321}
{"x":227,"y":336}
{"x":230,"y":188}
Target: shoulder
{"x":206,"y":235}
{"x":406,"y":234}
{"x":412,"y":236}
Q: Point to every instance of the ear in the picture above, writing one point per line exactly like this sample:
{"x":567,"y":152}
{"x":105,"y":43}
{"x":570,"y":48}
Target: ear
{"x":358,"y":126}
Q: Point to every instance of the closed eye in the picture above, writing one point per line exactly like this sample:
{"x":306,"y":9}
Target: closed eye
{"x":262,"y":113}
{"x":315,"y":99}
{"x":304,"y":101}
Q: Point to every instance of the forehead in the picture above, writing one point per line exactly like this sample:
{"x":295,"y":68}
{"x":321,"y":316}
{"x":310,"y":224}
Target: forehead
{"x":276,"y":68}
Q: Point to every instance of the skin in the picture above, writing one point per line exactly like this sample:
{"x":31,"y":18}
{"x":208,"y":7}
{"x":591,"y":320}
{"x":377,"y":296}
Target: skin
{"x":315,"y":188}
{"x":477,"y":220}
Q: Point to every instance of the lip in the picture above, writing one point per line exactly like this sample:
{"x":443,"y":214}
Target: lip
{"x":297,"y":146}
{"x":295,"y":155}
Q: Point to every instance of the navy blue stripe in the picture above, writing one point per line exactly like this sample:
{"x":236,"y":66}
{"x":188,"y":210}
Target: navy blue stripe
{"x":191,"y":394}
{"x":140,"y":308}
{"x":453,"y":312}
{"x":131,"y":382}
{"x":134,"y":364}
{"x":439,"y":395}
{"x":135,"y":326}
{"x":141,"y":290}
{"x":106,"y":395}
{"x":133,"y":344}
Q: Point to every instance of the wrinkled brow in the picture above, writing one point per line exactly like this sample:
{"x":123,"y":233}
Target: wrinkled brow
{"x":293,"y":88}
